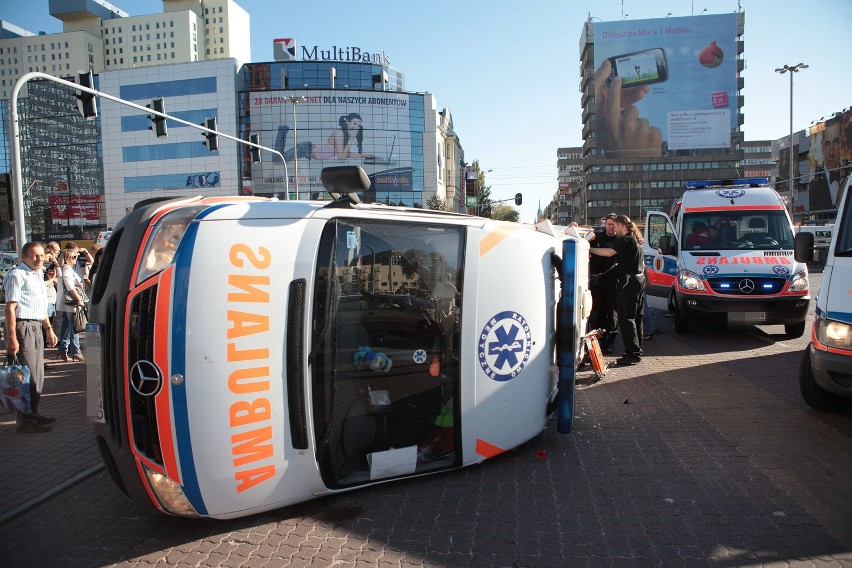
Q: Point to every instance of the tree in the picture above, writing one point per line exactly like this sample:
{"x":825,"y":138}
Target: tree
{"x":504,"y":212}
{"x":437,"y":203}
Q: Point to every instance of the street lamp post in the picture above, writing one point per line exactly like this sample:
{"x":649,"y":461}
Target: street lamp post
{"x":294,"y":101}
{"x":791,"y":69}
{"x":68,"y":183}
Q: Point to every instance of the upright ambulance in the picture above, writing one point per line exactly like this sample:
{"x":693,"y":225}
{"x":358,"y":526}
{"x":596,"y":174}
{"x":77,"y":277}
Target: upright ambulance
{"x":825,"y":375}
{"x":725,"y":254}
{"x":246,"y":354}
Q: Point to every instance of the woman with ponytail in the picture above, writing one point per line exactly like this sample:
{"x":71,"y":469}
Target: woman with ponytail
{"x":630,"y":284}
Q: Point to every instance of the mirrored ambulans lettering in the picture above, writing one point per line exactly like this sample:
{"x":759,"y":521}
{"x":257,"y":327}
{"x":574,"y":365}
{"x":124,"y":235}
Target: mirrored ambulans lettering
{"x":742,"y":260}
{"x":505,"y":344}
{"x":250,"y":413}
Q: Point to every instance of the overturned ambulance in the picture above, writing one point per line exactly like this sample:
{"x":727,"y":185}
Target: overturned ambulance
{"x":246,"y":353}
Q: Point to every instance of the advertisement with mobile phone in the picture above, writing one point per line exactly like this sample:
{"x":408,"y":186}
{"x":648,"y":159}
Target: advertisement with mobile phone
{"x":680,"y":74}
{"x":640,"y":68}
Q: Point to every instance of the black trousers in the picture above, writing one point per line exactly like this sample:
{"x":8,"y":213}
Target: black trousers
{"x":630,"y":305}
{"x":603,"y":309}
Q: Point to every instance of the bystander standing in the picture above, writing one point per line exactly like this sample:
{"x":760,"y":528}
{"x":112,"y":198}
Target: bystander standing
{"x":27,"y":326}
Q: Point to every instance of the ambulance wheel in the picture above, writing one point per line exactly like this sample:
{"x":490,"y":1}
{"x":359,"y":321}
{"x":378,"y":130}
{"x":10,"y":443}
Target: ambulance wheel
{"x":816,"y":396}
{"x":681,"y":323}
{"x":795,"y":330}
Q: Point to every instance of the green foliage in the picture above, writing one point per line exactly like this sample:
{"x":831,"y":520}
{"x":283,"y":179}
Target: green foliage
{"x":504,"y":212}
{"x":437,"y":203}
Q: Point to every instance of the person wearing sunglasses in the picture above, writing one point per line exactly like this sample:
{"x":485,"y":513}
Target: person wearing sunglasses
{"x":70,"y":286}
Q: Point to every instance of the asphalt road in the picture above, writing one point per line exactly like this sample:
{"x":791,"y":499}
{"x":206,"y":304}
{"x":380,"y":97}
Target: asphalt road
{"x":705,"y":454}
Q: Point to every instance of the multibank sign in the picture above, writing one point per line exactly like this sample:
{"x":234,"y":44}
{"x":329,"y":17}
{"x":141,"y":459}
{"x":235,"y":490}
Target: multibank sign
{"x":285,"y":49}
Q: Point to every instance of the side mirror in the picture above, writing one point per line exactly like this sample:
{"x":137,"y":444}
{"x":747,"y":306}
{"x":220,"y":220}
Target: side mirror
{"x":803,"y":247}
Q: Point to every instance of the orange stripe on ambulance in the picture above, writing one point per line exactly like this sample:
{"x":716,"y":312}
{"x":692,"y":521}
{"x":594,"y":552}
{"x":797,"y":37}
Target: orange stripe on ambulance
{"x":251,"y":415}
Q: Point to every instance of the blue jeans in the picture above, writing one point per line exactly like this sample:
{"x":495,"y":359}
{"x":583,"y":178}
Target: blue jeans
{"x":69,"y":342}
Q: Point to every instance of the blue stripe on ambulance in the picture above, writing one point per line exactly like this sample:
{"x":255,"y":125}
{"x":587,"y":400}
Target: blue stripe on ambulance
{"x":183,"y":260}
{"x":844,"y":317}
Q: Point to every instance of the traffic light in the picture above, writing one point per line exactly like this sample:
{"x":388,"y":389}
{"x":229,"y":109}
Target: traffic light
{"x":519,"y":199}
{"x":159,"y":126}
{"x":88,"y":106}
{"x":212,"y":141}
{"x":255,"y":152}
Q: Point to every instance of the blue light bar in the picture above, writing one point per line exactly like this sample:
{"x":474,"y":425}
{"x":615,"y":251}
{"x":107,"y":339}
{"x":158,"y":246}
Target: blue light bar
{"x":704,"y":184}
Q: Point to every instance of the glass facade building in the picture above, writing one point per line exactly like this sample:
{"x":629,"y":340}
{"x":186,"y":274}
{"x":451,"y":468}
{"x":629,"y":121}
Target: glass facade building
{"x":335,"y":113}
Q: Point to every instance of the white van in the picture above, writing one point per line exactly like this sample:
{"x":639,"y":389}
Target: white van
{"x":822,"y":238}
{"x":825,"y":374}
{"x":245,"y":354}
{"x":726,"y":255}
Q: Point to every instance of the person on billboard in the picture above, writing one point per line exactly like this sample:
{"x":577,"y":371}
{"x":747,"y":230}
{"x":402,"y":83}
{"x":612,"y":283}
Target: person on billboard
{"x":621,"y":131}
{"x":825,"y":188}
{"x":344,"y":143}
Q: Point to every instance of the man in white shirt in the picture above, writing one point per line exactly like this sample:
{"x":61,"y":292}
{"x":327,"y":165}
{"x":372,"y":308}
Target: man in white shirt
{"x":26,"y":316}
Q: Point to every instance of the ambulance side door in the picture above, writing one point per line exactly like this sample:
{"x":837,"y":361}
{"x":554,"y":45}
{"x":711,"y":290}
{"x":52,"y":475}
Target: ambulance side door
{"x":660,"y":254}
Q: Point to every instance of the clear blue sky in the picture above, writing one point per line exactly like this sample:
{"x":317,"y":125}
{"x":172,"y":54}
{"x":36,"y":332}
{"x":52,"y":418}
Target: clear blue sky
{"x":509,"y":71}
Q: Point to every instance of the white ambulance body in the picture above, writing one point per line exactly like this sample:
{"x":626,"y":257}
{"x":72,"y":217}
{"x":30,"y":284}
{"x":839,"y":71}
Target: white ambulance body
{"x":726,"y":255}
{"x":825,"y":375}
{"x":247,"y":354}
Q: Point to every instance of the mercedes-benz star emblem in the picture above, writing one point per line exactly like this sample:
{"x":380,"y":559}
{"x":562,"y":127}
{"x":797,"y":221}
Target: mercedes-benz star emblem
{"x":746,"y":286}
{"x":145,"y":378}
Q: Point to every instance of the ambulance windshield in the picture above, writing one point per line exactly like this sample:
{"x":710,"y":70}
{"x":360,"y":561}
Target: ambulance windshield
{"x":385,"y":347}
{"x":741,"y":230}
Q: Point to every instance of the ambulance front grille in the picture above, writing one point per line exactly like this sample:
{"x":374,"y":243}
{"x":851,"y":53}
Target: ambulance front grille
{"x":143,"y":412}
{"x":747,"y":286}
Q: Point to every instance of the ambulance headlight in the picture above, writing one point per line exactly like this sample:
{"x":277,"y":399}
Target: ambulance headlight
{"x":799,"y":283}
{"x":833,"y":333}
{"x":164,"y":240}
{"x":169,"y":494}
{"x":690,"y":280}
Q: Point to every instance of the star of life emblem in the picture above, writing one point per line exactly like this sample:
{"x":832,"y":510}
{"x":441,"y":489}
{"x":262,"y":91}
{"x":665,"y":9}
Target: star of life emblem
{"x":504,"y":346}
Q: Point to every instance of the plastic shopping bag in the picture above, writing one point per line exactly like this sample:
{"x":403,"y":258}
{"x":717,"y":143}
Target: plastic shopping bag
{"x":15,"y":384}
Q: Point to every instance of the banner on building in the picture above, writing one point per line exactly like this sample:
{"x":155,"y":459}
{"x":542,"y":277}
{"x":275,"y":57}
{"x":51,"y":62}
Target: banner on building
{"x":75,"y":209}
{"x":679,"y":73}
{"x":383,"y":132}
{"x":829,"y":162}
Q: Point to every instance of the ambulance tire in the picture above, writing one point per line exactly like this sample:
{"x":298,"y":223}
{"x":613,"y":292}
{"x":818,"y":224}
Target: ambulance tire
{"x":681,"y":323}
{"x":816,"y":396}
{"x":795,"y":330}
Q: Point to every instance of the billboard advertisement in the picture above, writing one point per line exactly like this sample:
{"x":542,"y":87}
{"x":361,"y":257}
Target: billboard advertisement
{"x":667,"y":83}
{"x":380,"y":131}
{"x":829,"y":161}
{"x":75,"y":210}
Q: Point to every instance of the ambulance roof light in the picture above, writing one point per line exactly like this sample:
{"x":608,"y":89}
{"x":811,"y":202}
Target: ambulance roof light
{"x":749,"y":182}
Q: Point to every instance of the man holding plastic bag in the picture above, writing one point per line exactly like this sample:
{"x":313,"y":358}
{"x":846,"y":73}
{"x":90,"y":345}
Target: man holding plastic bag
{"x":26,"y":316}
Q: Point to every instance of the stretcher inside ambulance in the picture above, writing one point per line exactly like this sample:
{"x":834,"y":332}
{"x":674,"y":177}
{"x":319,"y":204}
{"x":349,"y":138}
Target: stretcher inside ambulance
{"x":726,"y":255}
{"x":247,"y":354}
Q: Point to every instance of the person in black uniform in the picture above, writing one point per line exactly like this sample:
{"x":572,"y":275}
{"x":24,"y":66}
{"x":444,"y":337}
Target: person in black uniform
{"x":602,"y":282}
{"x":630,"y":280}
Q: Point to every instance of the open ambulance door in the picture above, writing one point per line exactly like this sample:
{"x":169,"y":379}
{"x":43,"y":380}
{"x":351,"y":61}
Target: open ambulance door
{"x":660,"y":253}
